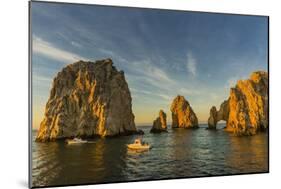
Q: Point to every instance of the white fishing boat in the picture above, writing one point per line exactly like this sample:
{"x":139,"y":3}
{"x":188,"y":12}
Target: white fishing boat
{"x":76,"y":141}
{"x":139,"y":145}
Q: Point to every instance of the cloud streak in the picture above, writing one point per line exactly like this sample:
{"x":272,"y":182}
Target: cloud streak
{"x":149,"y":93}
{"x":186,"y":91}
{"x":191,"y":64}
{"x":47,"y":49}
{"x":147,"y":69}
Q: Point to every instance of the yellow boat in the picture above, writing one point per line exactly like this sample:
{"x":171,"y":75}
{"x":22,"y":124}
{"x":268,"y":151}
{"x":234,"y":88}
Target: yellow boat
{"x":138,"y":145}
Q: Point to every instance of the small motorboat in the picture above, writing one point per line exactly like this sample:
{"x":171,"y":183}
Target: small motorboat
{"x":76,"y":141}
{"x":139,"y":145}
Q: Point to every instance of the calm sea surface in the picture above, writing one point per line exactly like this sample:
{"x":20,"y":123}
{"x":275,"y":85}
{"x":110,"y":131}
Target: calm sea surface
{"x":178,"y":153}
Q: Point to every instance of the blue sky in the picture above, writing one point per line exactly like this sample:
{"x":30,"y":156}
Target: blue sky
{"x":163,"y":53}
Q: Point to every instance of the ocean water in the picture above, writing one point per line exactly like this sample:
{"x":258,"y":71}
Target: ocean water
{"x":178,"y":153}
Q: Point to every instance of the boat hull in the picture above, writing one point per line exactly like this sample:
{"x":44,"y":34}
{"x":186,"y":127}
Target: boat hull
{"x":76,"y":142}
{"x":134,"y":147}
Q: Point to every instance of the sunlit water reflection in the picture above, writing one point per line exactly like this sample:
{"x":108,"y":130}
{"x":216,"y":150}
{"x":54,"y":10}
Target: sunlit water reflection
{"x":178,"y":153}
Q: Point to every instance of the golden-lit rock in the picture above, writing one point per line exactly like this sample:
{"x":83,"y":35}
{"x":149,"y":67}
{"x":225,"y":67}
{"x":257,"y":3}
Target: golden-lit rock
{"x":88,"y":99}
{"x":216,"y":116}
{"x":183,"y":115}
{"x":160,"y":124}
{"x":246,"y":110}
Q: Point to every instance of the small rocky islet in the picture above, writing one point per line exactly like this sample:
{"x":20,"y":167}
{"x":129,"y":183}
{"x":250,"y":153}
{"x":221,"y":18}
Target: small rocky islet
{"x":160,"y":123}
{"x":183,"y":115}
{"x":89,"y":99}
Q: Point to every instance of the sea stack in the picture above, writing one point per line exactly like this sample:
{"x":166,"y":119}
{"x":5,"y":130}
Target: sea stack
{"x":183,"y":115}
{"x":246,"y":110}
{"x":88,"y":99}
{"x":216,"y":116}
{"x":160,"y":123}
{"x":212,"y":121}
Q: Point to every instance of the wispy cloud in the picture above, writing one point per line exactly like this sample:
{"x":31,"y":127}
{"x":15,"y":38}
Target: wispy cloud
{"x":47,"y":49}
{"x":147,"y":69}
{"x":113,"y":55}
{"x":191,"y":64}
{"x":75,"y":44}
{"x":145,"y":92}
{"x":145,"y":75}
{"x":166,"y":97}
{"x":162,"y":85}
{"x":140,"y":91}
{"x":185,"y":91}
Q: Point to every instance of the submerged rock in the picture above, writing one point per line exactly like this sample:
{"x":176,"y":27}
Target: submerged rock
{"x":246,"y":110}
{"x":183,"y":115}
{"x":160,"y":124}
{"x":88,"y":99}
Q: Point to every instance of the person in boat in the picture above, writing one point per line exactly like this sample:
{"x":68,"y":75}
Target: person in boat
{"x":140,"y":142}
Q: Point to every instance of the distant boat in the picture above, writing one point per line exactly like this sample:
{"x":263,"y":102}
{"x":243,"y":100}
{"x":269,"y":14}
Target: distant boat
{"x":76,"y":141}
{"x":139,"y":145}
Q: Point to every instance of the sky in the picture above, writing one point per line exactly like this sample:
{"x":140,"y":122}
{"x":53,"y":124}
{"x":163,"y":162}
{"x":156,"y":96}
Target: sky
{"x":163,"y":53}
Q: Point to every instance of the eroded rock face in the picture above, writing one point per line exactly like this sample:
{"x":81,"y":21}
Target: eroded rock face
{"x":216,"y":116}
{"x":88,"y":99}
{"x":183,"y":115}
{"x":160,"y":123}
{"x":212,"y":121}
{"x":246,"y":110}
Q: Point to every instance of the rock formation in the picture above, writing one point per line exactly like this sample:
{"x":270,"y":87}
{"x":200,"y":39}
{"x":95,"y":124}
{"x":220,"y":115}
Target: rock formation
{"x":216,"y":116}
{"x":246,"y":110}
{"x":160,"y":124}
{"x":182,"y":114}
{"x":88,"y":99}
{"x":212,"y":121}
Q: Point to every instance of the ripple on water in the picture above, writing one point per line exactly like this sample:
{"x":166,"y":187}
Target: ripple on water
{"x":178,"y":153}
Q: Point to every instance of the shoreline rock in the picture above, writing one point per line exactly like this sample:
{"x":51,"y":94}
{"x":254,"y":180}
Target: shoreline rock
{"x":183,"y":115}
{"x":88,"y":99}
{"x":246,"y":110}
{"x":160,"y":123}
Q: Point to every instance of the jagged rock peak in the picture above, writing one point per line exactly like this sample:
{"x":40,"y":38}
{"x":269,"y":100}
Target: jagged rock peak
{"x":88,"y":99}
{"x":183,"y":115}
{"x":160,"y":123}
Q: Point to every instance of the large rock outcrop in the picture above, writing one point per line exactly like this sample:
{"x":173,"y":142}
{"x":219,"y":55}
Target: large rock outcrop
{"x":88,"y":99}
{"x":246,"y":110}
{"x":160,"y":124}
{"x":183,"y":115}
